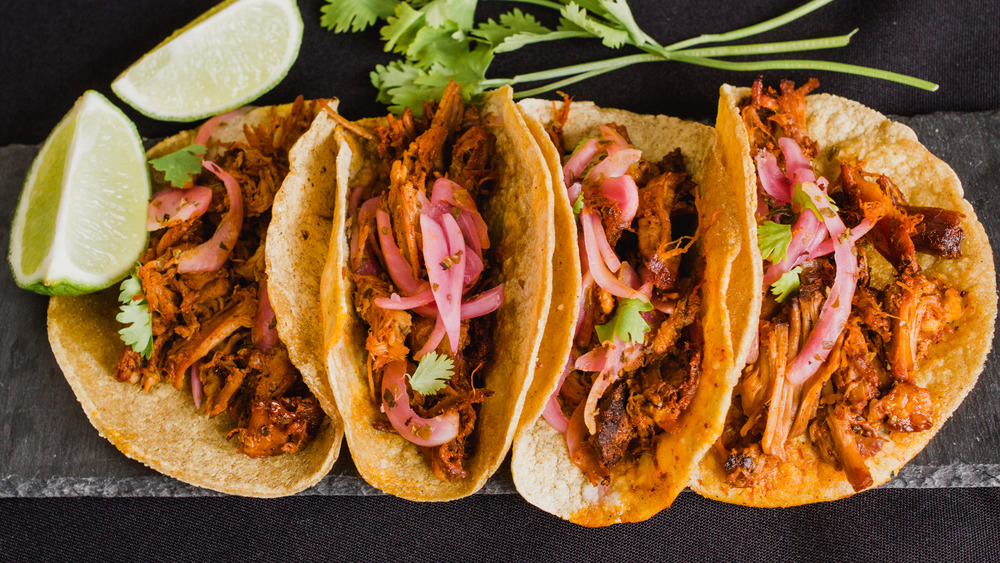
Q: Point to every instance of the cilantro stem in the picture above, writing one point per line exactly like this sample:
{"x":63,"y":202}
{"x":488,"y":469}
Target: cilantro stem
{"x":769,"y":48}
{"x":565,"y":82}
{"x":807,"y":65}
{"x":544,"y":3}
{"x":751,"y":30}
{"x":604,"y":65}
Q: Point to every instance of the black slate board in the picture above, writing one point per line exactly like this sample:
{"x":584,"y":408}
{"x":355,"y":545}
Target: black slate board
{"x":48,"y":448}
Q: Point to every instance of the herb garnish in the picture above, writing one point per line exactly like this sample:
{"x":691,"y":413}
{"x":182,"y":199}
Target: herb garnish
{"x":440,"y":40}
{"x":138,"y":332}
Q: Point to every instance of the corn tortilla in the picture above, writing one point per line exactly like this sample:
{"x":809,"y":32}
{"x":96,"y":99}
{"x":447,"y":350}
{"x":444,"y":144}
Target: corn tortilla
{"x":161,"y":428}
{"x":642,"y":487}
{"x":847,"y":129}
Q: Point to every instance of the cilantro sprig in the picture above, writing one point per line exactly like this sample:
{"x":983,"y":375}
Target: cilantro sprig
{"x":773,"y":240}
{"x":180,"y":166}
{"x":786,"y":284}
{"x":627,"y":322}
{"x":138,"y":332}
{"x":432,"y":373}
{"x":439,"y":40}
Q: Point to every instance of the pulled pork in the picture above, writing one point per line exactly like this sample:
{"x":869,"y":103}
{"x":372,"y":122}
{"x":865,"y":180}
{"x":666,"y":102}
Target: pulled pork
{"x":450,"y":141}
{"x":865,"y":390}
{"x":659,"y":375}
{"x":203,"y":320}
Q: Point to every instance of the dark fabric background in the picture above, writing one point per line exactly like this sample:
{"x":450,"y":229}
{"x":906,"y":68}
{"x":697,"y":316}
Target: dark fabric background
{"x":51,"y":52}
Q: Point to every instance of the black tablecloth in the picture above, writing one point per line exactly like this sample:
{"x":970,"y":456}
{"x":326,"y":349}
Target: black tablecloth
{"x":51,"y":52}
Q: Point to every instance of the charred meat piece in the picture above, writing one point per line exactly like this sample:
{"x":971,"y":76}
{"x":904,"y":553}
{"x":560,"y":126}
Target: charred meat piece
{"x":906,"y":408}
{"x":614,"y":427}
{"x":939,"y":232}
{"x":278,"y":426}
{"x":922,"y":312}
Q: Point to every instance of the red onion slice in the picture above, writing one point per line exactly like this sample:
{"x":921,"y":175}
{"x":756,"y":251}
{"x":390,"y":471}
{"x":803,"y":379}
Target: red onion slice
{"x":579,"y":160}
{"x":427,"y":432}
{"x":445,"y":284}
{"x":553,"y":413}
{"x":173,"y":206}
{"x":473,"y":267}
{"x":807,"y":233}
{"x":482,"y":304}
{"x":207,"y":128}
{"x":264,"y":332}
{"x":613,"y":142}
{"x":197,"y":394}
{"x":593,"y":231}
{"x":397,"y":303}
{"x":611,"y":166}
{"x":827,"y":246}
{"x":837,"y":307}
{"x":623,"y":191}
{"x":433,"y":340}
{"x":797,"y":166}
{"x":772,"y":180}
{"x":212,"y":254}
{"x":398,"y":267}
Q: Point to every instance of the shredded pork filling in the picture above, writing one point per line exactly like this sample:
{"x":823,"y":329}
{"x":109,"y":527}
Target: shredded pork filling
{"x":202,"y":321}
{"x":865,"y":390}
{"x":451,"y":142}
{"x":642,"y":385}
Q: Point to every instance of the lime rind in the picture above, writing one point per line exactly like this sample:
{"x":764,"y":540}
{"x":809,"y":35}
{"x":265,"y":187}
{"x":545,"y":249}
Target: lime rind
{"x":226,"y":58}
{"x":80,"y":221}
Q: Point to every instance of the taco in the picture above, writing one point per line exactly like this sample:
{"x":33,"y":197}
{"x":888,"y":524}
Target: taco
{"x":207,"y":392}
{"x":846,"y":208}
{"x":642,"y":386}
{"x":436,"y":290}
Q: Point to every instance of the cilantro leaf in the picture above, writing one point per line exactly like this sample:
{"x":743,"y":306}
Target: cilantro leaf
{"x":433,"y":371}
{"x":515,"y":30}
{"x":181,"y":165}
{"x":461,"y":12}
{"x":619,"y":12}
{"x":627,"y":323}
{"x":800,"y":197}
{"x":786,"y":284}
{"x":138,"y":332}
{"x":773,"y":239}
{"x":575,"y":18}
{"x":355,"y":15}
{"x":578,"y":204}
{"x":401,"y":28}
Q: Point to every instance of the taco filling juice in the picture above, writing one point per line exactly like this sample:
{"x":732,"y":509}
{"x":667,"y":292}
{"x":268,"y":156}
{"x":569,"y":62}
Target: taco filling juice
{"x":203,"y":282}
{"x":847,"y":316}
{"x":637,"y":350}
{"x":420,"y":259}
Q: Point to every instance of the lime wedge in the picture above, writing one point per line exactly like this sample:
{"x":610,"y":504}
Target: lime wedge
{"x":80,"y":224}
{"x":228,"y":57}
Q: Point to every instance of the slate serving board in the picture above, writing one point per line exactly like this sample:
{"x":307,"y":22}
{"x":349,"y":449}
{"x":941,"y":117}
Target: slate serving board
{"x":48,"y":448}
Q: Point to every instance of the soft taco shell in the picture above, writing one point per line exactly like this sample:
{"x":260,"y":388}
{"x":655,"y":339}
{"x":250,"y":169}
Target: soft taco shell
{"x":161,"y":428}
{"x":519,"y":215}
{"x":542,"y":470}
{"x":847,"y":129}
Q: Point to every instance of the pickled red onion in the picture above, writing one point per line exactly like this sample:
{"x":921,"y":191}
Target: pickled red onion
{"x":207,"y":128}
{"x":613,"y":165}
{"x":579,"y":160}
{"x":212,"y":254}
{"x":772,"y":179}
{"x":196,"y":388}
{"x":797,"y":166}
{"x":553,"y":413}
{"x":837,"y":307}
{"x":623,"y":191}
{"x":427,"y":432}
{"x":443,"y":244}
{"x":395,"y":302}
{"x":173,"y":206}
{"x":264,"y":334}
{"x":592,"y":232}
{"x":435,"y":337}
{"x":397,"y":266}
